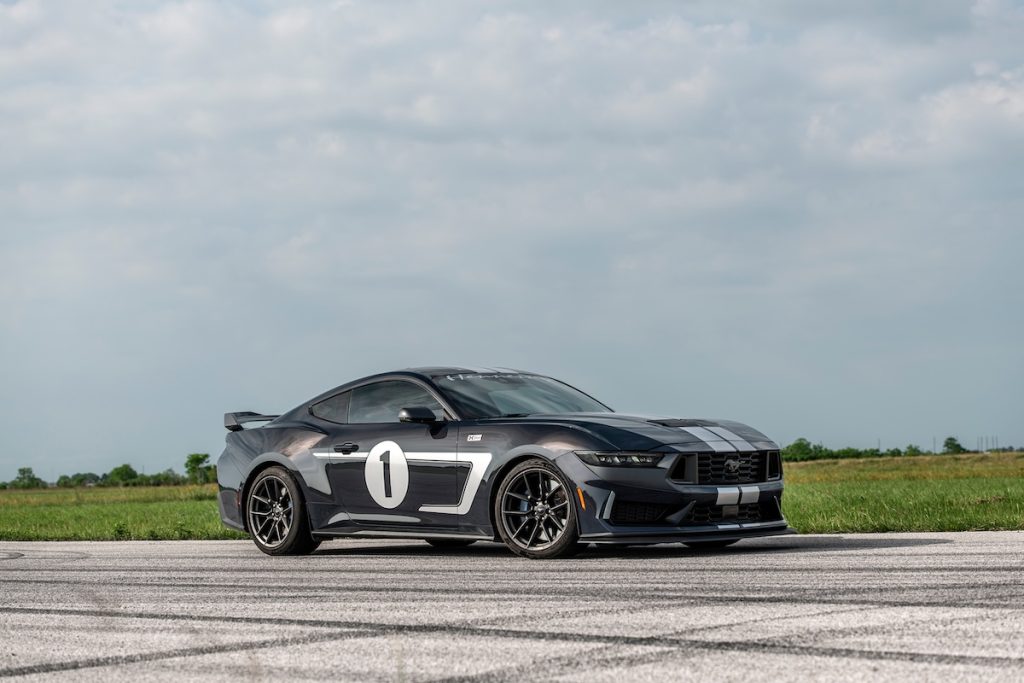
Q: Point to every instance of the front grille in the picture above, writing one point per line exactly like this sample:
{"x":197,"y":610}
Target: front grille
{"x":731,"y":468}
{"x":627,"y":512}
{"x":704,"y":513}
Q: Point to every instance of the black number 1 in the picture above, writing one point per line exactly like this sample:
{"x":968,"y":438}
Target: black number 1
{"x":385,"y":458}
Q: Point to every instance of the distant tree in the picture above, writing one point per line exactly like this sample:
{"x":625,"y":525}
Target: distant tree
{"x":911,"y":449}
{"x":122,"y":475}
{"x":952,"y":446}
{"x":199,"y":469}
{"x":78,"y":479}
{"x":166,"y":478}
{"x":27,"y":479}
{"x":801,"y":449}
{"x":85,"y":478}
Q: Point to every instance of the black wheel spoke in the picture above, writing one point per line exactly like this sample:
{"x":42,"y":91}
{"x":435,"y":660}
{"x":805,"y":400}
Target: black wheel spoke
{"x":516,"y":532}
{"x":533,"y":534}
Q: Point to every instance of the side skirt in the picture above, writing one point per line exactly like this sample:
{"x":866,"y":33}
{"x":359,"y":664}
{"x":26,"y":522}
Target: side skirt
{"x":419,"y":535}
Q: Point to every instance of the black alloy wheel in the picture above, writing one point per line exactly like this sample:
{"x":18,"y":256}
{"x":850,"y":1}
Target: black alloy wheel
{"x":276,"y":515}
{"x":535,"y":512}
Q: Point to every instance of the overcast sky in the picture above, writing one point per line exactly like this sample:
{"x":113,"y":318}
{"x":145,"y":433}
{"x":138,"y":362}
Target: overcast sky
{"x":805,"y":219}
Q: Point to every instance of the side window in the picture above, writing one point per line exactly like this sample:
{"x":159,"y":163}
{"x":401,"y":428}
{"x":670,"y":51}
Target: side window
{"x":380,"y":402}
{"x":333,"y":409}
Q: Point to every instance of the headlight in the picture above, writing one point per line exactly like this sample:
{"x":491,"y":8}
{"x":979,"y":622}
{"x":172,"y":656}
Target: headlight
{"x":619,"y":458}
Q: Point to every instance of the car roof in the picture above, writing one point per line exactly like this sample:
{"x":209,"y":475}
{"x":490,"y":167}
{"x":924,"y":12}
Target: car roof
{"x":423,"y":373}
{"x":439,"y":371}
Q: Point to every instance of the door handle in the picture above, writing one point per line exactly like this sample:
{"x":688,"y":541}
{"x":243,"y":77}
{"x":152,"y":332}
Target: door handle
{"x":347,"y":447}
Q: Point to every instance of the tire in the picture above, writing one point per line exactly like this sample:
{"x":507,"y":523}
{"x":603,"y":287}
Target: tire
{"x":535,"y":512}
{"x":449,"y":542}
{"x":275,"y":513}
{"x":710,"y":545}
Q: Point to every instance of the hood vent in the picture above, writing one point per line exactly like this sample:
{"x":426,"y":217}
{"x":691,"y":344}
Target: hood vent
{"x":684,"y":423}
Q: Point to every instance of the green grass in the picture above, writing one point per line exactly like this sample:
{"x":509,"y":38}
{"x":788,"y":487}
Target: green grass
{"x":923,"y":493}
{"x":107,"y":514}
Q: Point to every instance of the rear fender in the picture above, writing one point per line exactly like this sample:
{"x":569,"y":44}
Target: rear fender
{"x":304,"y":466}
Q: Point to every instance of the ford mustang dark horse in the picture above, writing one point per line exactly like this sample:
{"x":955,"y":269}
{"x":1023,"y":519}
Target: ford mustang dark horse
{"x":457,"y":455}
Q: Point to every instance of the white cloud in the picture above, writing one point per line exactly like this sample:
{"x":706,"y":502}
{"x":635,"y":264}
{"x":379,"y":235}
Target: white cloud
{"x":729,"y":202}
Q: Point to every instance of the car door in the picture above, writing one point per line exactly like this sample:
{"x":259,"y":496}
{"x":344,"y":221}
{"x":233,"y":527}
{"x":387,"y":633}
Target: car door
{"x":390,"y":473}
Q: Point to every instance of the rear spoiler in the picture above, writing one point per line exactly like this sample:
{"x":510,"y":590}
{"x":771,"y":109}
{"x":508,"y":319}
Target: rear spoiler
{"x":234,"y":421}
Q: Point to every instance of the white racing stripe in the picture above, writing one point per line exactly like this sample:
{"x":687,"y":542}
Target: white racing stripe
{"x":717,"y":443}
{"x":738,"y":442}
{"x":478,"y":464}
{"x":728,"y":495}
{"x":738,"y":495}
{"x":749,"y":494}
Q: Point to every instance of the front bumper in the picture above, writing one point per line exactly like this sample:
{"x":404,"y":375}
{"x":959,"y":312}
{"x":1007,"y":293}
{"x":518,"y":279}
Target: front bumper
{"x":634,"y":507}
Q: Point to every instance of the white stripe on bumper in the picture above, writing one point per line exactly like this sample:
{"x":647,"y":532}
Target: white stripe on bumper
{"x":729,"y":495}
{"x":737,"y":495}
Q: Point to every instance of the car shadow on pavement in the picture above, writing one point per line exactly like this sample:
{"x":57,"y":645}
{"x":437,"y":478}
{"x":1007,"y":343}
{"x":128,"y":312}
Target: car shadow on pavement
{"x":779,"y":544}
{"x":410,"y":549}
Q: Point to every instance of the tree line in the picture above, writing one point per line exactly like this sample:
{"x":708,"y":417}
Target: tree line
{"x":802,"y":449}
{"x":198,"y":470}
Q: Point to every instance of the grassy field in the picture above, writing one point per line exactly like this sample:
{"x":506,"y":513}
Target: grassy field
{"x":95,"y":514}
{"x":923,"y":493}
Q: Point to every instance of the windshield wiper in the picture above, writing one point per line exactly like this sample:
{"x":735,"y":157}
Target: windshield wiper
{"x":516,"y":415}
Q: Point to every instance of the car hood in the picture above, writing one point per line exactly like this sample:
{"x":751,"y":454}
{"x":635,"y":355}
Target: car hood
{"x":644,"y":432}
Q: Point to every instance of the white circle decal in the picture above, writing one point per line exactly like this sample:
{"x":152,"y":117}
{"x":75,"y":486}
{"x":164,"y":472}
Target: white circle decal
{"x":387,"y":474}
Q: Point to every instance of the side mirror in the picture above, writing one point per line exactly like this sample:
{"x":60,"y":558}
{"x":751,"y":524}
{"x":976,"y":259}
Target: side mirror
{"x":420,"y":414}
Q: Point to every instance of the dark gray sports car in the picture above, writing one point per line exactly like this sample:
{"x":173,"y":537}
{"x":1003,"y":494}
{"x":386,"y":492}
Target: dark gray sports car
{"x":458,"y":455}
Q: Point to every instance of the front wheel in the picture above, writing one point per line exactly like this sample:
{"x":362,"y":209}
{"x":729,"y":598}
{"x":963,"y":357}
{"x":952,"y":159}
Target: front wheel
{"x":276,"y":514}
{"x":534,"y":511}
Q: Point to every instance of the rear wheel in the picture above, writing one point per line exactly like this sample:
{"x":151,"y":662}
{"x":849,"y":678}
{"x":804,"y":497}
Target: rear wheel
{"x":449,"y":542}
{"x":534,"y":512}
{"x":710,"y":545}
{"x":276,"y":514}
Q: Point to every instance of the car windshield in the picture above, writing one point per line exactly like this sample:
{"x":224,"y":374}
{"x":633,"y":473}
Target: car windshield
{"x":505,"y":395}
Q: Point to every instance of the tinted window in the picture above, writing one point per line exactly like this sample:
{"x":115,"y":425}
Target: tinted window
{"x":380,"y":402}
{"x":513,"y":394}
{"x":334,"y":409}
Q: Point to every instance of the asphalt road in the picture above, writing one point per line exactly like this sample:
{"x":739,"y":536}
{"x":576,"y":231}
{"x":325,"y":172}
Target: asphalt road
{"x":873,"y":607}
